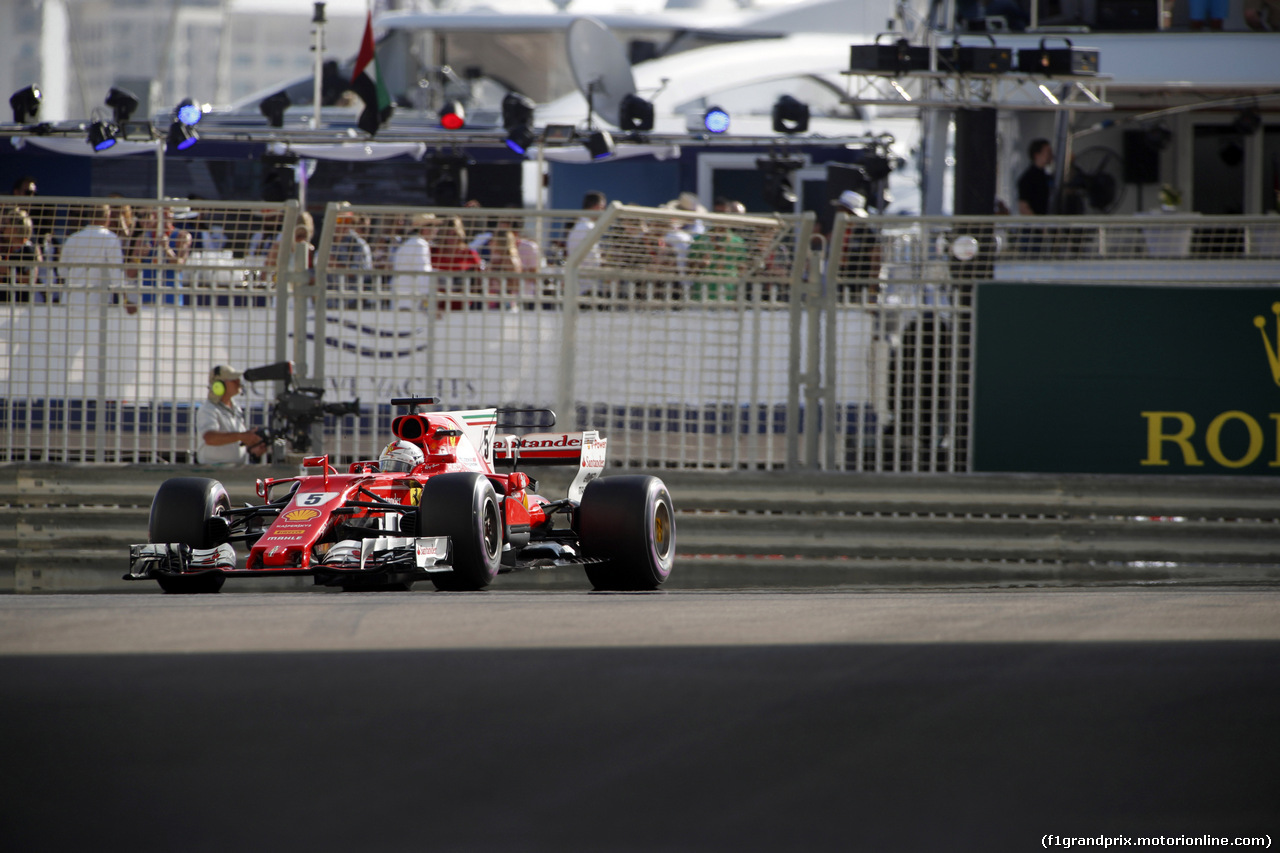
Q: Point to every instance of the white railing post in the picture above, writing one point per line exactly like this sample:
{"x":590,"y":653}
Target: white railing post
{"x":566,"y":401}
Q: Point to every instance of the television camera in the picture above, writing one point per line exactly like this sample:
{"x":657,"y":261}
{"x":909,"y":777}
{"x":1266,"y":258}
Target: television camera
{"x":295,"y":408}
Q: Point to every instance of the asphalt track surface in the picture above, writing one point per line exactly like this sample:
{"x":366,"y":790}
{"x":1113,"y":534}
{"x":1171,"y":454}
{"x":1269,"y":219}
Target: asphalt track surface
{"x":679,"y":721}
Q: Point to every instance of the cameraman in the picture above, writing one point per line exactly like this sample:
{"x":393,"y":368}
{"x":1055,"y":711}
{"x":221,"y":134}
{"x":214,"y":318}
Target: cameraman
{"x":225,"y":437}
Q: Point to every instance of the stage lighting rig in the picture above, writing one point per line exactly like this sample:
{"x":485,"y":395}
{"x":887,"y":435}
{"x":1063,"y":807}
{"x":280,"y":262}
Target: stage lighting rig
{"x":600,"y":144}
{"x":715,"y":120}
{"x":635,"y":114}
{"x":517,"y":120}
{"x":182,"y":130}
{"x":897,"y":58}
{"x":181,"y":137}
{"x":102,"y":135}
{"x":25,"y":104}
{"x":453,"y":116}
{"x":123,"y":104}
{"x":188,"y":112}
{"x":790,"y":115}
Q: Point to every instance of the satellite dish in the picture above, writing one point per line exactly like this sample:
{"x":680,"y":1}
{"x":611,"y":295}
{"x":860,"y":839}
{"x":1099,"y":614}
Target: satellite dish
{"x":600,"y":67}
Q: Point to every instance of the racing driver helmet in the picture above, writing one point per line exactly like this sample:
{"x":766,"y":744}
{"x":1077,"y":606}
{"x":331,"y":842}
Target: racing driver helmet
{"x":400,"y":457}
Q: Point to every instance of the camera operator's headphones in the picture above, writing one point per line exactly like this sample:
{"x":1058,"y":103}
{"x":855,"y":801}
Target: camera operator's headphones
{"x":218,"y":379}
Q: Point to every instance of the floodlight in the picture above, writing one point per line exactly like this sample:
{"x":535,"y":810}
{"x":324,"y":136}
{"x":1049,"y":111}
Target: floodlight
{"x":715,"y":120}
{"x":181,"y":137}
{"x":790,"y":115}
{"x":274,"y":106}
{"x":517,"y":119}
{"x":635,"y":113}
{"x":26,"y":104}
{"x":600,"y":144}
{"x":189,"y":113}
{"x":122,"y":103}
{"x":520,"y":139}
{"x":517,"y":111}
{"x":453,"y":116}
{"x":102,"y":135}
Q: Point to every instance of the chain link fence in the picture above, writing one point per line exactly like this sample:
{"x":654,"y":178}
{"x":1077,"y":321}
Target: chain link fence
{"x":112,"y":312}
{"x":903,"y":297}
{"x":689,"y":339}
{"x":643,"y":323}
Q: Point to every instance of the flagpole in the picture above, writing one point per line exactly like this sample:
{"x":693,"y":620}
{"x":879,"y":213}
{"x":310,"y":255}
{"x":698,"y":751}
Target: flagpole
{"x":317,"y":47}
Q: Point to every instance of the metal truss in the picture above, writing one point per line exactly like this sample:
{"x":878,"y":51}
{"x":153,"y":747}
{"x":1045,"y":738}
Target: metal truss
{"x":949,"y":90}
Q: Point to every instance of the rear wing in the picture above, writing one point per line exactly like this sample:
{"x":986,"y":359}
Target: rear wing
{"x":584,"y":449}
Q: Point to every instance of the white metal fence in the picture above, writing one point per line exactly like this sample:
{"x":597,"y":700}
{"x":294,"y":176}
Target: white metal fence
{"x":651,"y":325}
{"x":690,"y":339}
{"x":112,"y":312}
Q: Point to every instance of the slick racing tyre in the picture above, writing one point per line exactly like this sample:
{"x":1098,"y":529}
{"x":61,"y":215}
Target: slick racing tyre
{"x":629,"y":522}
{"x":179,"y":513}
{"x":464,"y":507}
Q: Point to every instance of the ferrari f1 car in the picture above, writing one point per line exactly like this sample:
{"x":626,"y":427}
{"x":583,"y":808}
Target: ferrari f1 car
{"x":435,"y":506}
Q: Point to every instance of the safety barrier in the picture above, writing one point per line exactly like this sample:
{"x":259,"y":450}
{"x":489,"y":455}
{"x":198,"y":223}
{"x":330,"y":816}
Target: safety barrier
{"x":644,"y":322}
{"x":67,"y":527}
{"x":113,"y":311}
{"x":692,"y":340}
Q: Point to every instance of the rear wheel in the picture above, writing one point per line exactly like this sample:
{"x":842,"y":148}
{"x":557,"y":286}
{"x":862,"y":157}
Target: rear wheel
{"x":464,"y":507}
{"x":180,"y":512}
{"x":629,"y":522}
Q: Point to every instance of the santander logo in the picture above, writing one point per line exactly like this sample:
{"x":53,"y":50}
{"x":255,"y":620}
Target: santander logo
{"x":541,"y":443}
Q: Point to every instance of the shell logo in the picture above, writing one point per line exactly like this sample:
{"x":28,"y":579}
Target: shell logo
{"x":301,"y":515}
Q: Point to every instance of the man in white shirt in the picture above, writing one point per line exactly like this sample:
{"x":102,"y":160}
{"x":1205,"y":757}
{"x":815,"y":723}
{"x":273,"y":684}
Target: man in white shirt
{"x":411,"y":259}
{"x":225,"y":437}
{"x":91,"y":260}
{"x":594,"y":200}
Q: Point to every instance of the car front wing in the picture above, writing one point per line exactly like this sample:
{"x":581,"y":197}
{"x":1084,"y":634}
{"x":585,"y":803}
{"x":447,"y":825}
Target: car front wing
{"x":425,"y":554}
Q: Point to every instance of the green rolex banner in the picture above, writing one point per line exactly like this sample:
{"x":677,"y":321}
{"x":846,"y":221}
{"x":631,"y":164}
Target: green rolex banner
{"x":373,"y":91}
{"x":1137,"y":380}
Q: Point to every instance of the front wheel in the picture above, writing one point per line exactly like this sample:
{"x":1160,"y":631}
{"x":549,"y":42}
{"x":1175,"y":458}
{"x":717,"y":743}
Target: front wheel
{"x":464,"y":507}
{"x":629,"y":522}
{"x":205,"y":582}
{"x":180,"y":512}
{"x":182,"y":508}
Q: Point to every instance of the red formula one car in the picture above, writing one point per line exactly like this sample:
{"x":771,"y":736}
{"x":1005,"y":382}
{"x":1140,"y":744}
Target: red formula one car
{"x":433,"y":507}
